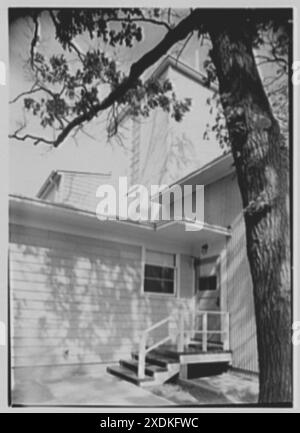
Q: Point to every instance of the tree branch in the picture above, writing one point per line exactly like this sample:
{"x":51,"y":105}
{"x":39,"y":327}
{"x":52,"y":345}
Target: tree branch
{"x":180,"y":32}
{"x":71,"y":44}
{"x":142,"y":20}
{"x":31,"y":91}
{"x":35,"y":138}
{"x":35,"y":39}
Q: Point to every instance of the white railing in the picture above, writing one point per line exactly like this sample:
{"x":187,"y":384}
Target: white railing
{"x":184,"y":332}
{"x":205,"y":331}
{"x":143,"y":349}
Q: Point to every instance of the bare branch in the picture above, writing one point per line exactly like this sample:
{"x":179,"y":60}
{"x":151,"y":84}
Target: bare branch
{"x":35,"y":39}
{"x":31,"y":91}
{"x":143,"y":20}
{"x":27,"y":92}
{"x":36,"y":139}
{"x":268,"y":59}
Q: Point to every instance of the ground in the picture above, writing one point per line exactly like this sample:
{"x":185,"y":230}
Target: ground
{"x":97,"y":388}
{"x":93,"y":388}
{"x":225,"y":389}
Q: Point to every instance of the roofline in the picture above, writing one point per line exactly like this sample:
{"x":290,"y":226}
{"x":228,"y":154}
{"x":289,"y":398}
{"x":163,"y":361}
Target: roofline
{"x":154,"y":226}
{"x":184,"y":68}
{"x":37,"y":202}
{"x":94,"y":173}
{"x":209,"y":166}
{"x":53,"y":176}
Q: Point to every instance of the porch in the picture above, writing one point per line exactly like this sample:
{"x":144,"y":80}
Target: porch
{"x":189,"y":343}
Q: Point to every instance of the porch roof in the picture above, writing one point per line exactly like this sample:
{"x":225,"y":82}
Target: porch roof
{"x":59,"y":217}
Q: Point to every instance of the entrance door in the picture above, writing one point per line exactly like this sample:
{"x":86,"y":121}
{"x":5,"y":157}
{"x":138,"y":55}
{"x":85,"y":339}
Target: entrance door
{"x":208,"y":293}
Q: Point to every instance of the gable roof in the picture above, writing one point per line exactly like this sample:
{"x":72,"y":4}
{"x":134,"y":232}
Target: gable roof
{"x":55,"y":175}
{"x":214,"y":170}
{"x":183,"y":68}
{"x":75,"y":188}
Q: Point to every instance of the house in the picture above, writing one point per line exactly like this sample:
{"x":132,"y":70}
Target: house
{"x":88,"y":292}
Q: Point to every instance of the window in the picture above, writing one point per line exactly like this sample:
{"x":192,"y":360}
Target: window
{"x":160,"y":273}
{"x":207,"y":283}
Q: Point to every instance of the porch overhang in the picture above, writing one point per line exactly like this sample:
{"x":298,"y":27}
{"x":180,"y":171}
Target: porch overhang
{"x":192,"y":232}
{"x":186,"y":234}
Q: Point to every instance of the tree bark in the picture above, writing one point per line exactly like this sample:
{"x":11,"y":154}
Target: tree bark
{"x":262,"y":166}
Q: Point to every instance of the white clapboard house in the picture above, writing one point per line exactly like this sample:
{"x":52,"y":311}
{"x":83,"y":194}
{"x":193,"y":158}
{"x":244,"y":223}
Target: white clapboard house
{"x":149,"y":299}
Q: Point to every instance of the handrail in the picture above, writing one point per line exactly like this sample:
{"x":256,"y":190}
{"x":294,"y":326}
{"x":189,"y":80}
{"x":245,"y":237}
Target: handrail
{"x":224,"y":328}
{"x":216,"y":312}
{"x":182,"y":331}
{"x":158,"y":324}
{"x":158,"y":343}
{"x":143,"y":350}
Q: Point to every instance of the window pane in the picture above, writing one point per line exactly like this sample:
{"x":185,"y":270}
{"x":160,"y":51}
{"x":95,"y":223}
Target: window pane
{"x":167,"y":286}
{"x":158,"y":286}
{"x":208,"y":283}
{"x":153,"y":271}
{"x":168,"y":273}
{"x":160,"y":259}
{"x":153,"y":286}
{"x":159,"y":272}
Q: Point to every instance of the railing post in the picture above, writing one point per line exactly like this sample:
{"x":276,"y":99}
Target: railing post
{"x":204,"y":332}
{"x":180,"y":344}
{"x":226,"y":332}
{"x":142,"y":355}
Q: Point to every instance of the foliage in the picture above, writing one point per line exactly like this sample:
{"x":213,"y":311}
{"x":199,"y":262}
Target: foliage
{"x":62,"y":91}
{"x":271,"y":41}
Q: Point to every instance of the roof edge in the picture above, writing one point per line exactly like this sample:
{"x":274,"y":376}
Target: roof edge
{"x":209,"y":166}
{"x":52,"y":178}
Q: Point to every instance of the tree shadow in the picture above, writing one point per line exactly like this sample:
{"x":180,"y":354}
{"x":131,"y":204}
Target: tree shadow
{"x":77,"y":301}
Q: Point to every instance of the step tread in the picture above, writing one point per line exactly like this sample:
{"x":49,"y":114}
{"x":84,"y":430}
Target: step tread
{"x":170,"y":354}
{"x":125,"y":373}
{"x":157,"y":359}
{"x":150,"y":369}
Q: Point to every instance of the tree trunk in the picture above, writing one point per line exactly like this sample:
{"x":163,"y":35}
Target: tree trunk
{"x":262,"y":166}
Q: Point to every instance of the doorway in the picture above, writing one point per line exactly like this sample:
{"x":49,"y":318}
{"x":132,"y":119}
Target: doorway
{"x":208,"y":293}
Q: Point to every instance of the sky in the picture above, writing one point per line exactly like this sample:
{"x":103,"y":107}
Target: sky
{"x":30,"y":165}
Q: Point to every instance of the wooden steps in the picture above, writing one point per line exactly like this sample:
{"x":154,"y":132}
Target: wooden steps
{"x":158,"y":369}
{"x":150,"y":369}
{"x":164,"y":363}
{"x":127,"y":374}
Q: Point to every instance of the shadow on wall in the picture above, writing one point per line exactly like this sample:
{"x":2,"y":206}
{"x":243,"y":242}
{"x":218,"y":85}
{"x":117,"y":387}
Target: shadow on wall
{"x":180,"y":160}
{"x":77,"y":300}
{"x":168,"y":157}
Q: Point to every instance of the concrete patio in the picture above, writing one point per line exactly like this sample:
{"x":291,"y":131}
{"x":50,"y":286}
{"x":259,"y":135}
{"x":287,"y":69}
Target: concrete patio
{"x":95,"y":388}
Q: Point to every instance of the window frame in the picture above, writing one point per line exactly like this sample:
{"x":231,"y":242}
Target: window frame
{"x":174,"y":294}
